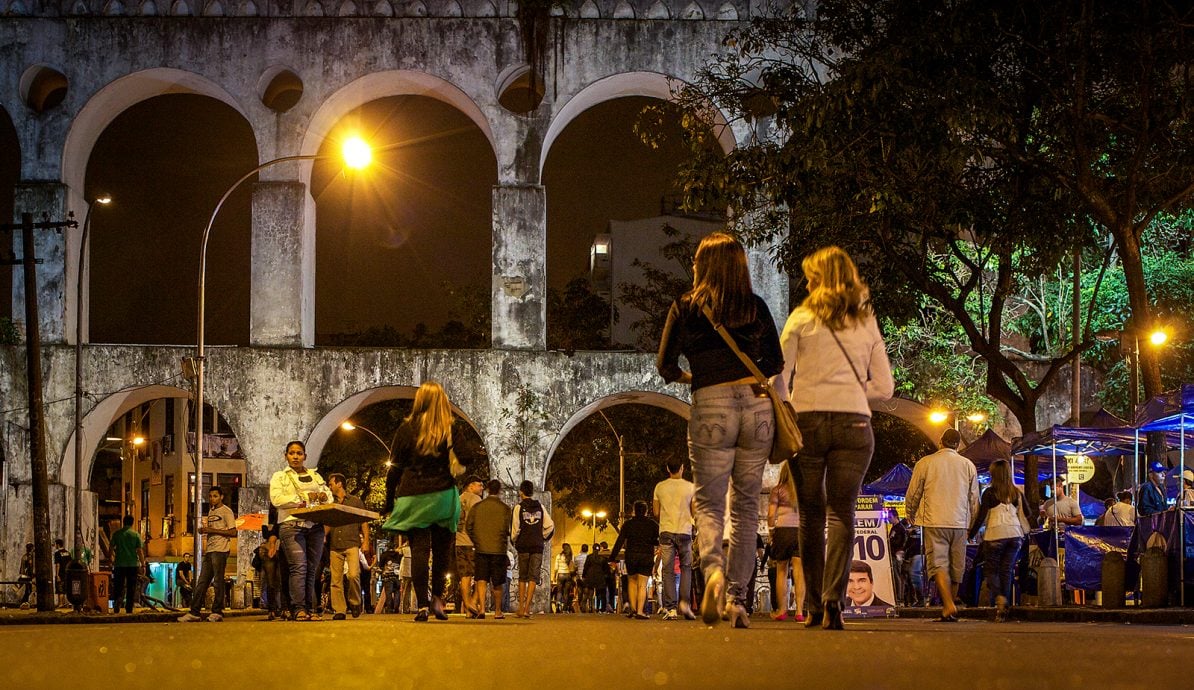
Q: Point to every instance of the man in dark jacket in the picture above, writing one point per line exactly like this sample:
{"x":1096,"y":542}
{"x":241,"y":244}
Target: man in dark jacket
{"x":639,"y":535}
{"x":488,"y":526}
{"x":531,"y":529}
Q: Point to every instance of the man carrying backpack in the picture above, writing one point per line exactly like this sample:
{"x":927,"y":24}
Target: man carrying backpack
{"x":531,"y":529}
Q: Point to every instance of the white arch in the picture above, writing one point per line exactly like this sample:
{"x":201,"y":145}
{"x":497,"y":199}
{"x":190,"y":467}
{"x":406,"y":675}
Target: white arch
{"x":667,"y":402}
{"x":330,"y":422}
{"x":97,"y":421}
{"x":121,"y":94}
{"x":649,"y":84}
{"x":381,"y":85}
{"x":93,"y":118}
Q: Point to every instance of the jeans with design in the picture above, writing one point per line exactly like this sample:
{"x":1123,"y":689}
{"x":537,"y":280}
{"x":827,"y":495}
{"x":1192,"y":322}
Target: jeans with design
{"x":828,"y":474}
{"x":1000,"y":565}
{"x":214,"y":563}
{"x":304,"y":553}
{"x":729,"y":439}
{"x":671,"y":545}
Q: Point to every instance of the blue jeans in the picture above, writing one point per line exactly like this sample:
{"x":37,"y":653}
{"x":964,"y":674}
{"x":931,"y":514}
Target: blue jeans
{"x":828,"y":473}
{"x":304,"y":553}
{"x":729,"y":438}
{"x":212,"y":571}
{"x":1000,"y":565}
{"x":671,"y":544}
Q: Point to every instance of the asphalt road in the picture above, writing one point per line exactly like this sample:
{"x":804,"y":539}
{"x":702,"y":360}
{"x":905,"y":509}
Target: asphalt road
{"x":590,"y":651}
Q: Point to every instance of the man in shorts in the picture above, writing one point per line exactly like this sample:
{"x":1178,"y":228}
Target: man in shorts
{"x":943,"y":500}
{"x":531,"y":529}
{"x":471,"y":496}
{"x":488,"y":527}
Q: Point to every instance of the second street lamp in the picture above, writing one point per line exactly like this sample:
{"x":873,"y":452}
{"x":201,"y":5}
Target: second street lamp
{"x":357,"y":155}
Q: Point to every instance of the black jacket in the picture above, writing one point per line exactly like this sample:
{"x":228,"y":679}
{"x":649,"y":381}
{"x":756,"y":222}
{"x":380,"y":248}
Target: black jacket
{"x":412,"y":473}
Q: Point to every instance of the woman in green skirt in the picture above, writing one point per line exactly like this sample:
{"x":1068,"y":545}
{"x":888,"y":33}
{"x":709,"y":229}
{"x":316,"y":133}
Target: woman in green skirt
{"x":421,"y":494}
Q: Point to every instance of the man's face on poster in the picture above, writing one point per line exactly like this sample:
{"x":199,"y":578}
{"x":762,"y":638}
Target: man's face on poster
{"x":860,"y":589}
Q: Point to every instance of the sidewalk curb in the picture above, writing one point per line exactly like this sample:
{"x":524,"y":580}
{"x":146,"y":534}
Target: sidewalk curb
{"x":1066,"y":614}
{"x":10,"y":617}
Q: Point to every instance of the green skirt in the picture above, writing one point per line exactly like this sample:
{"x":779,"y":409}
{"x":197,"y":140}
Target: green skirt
{"x":424,"y":510}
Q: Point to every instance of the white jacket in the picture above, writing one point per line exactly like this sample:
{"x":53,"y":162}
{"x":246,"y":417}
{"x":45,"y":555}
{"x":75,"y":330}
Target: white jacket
{"x":943,"y":491}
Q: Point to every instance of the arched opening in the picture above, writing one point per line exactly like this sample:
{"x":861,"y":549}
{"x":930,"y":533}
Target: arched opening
{"x":404,"y":260}
{"x":145,"y":246}
{"x":616,"y":235}
{"x":281,"y":89}
{"x":43,"y":87}
{"x":583,"y":464}
{"x":360,"y":453}
{"x":138,"y":461}
{"x":10,"y":175}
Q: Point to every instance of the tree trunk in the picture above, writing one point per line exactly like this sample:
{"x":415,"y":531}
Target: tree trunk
{"x":1141,"y":318}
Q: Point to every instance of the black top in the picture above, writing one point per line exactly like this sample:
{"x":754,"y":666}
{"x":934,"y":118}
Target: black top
{"x":689,"y":333}
{"x":639,"y":535}
{"x":412,"y":473}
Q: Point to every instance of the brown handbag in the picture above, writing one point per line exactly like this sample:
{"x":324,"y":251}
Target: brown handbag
{"x":787,"y":440}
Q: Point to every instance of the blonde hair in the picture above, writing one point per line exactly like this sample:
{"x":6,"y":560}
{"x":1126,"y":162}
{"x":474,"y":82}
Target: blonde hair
{"x":837,"y":295}
{"x":721,"y":280}
{"x":431,"y":418}
{"x":787,"y":481}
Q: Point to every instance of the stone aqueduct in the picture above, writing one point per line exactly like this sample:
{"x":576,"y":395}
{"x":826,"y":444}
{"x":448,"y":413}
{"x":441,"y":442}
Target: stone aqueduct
{"x":104,"y":57}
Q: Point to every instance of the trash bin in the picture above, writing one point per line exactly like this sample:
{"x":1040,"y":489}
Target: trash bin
{"x":99,"y":592}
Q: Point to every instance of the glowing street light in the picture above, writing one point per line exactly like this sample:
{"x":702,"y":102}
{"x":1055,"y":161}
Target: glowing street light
{"x":1158,"y":337}
{"x":349,"y":426}
{"x":593,"y":518}
{"x":938,"y":416}
{"x":356,"y":155}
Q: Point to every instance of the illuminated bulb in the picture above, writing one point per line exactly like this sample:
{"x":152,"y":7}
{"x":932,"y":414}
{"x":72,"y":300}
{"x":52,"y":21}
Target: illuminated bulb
{"x":356,"y":152}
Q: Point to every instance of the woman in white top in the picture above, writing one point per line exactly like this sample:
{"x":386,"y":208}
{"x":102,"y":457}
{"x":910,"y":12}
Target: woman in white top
{"x":835,"y":362}
{"x":1004,"y":522}
{"x":302,"y":540}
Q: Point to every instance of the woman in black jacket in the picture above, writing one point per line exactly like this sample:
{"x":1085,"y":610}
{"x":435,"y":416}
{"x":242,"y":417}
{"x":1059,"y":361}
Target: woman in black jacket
{"x":421,"y":495}
{"x":639,"y":535}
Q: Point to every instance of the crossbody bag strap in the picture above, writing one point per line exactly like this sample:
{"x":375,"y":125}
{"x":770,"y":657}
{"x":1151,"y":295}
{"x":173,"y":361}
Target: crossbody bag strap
{"x":725,"y":335}
{"x":847,"y":356}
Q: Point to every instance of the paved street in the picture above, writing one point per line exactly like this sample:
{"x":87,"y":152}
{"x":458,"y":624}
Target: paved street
{"x":596,"y":652}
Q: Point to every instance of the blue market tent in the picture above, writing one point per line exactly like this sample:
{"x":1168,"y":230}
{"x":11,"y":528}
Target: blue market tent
{"x":1103,"y":434}
{"x":894,"y":483}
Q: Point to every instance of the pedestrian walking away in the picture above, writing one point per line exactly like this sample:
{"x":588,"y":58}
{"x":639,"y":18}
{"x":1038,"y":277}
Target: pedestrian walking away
{"x":531,"y":530}
{"x":943,"y":499}
{"x":488,"y":527}
{"x":25,"y":575}
{"x":1004,"y":524}
{"x":673,"y":507}
{"x":731,"y":425}
{"x":835,"y":365}
{"x":290,"y":489}
{"x":219,"y":527}
{"x":345,"y":544}
{"x":640,"y":537}
{"x":421,"y":494}
{"x":783,"y":523}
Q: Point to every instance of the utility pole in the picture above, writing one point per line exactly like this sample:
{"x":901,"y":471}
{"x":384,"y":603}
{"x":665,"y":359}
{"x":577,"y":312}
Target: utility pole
{"x":42,"y":554}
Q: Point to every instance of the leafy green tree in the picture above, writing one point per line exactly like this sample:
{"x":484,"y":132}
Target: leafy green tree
{"x":525,"y":426}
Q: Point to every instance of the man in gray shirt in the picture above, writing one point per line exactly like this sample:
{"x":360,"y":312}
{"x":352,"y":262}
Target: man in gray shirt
{"x":488,"y":526}
{"x":219,"y":527}
{"x":347,"y":542}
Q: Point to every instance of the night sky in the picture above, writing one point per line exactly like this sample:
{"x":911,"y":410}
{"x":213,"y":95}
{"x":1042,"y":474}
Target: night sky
{"x":386,"y":239}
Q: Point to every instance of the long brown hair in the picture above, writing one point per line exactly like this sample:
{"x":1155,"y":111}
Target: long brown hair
{"x":837,"y":295}
{"x":721,"y":280}
{"x":1001,"y":481}
{"x":431,"y":418}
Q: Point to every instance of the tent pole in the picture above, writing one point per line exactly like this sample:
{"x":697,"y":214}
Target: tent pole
{"x":1056,"y":535}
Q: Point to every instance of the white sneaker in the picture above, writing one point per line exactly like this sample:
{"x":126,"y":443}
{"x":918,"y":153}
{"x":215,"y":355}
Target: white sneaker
{"x":671,"y":615}
{"x":189,"y":617}
{"x":215,"y":618}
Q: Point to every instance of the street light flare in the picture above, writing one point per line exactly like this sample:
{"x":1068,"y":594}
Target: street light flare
{"x":103,"y":199}
{"x":356,"y":152}
{"x":138,"y":440}
{"x":976,"y":417}
{"x":348,"y":426}
{"x":938,"y":416}
{"x":586,"y":513}
{"x":1158,"y":337}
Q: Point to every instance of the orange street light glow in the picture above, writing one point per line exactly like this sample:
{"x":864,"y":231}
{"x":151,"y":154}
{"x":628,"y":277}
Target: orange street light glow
{"x":938,"y":417}
{"x":357,"y":154}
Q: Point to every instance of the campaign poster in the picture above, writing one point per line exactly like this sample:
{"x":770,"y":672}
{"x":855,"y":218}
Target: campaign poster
{"x":870,"y":591}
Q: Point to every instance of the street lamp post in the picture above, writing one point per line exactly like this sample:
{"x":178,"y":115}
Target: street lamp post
{"x":102,"y":200}
{"x":1157,"y":338}
{"x":356,"y":155}
{"x":621,"y":468}
{"x":349,"y":426}
{"x":593,"y":518}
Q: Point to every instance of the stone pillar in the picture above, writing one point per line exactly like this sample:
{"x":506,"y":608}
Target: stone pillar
{"x":519,"y":288}
{"x":282,"y":295}
{"x":40,"y":198}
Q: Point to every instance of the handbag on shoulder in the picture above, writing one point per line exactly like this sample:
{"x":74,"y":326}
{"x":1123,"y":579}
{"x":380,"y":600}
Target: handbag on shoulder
{"x":787,"y":441}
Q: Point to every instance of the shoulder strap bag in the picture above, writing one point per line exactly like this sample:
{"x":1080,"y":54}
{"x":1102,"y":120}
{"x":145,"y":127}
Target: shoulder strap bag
{"x":849,"y":361}
{"x":787,"y":440}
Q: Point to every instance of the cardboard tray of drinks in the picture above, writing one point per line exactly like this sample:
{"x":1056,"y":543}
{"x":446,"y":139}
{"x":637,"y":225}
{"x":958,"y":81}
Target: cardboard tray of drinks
{"x":335,"y":514}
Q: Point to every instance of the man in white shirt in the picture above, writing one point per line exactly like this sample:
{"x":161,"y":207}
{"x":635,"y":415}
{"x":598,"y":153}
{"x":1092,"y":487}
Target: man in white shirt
{"x":1123,"y":513}
{"x":943,"y":500}
{"x":219,"y":527}
{"x":673,"y":509}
